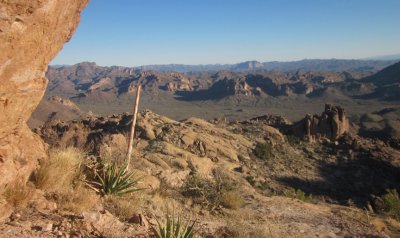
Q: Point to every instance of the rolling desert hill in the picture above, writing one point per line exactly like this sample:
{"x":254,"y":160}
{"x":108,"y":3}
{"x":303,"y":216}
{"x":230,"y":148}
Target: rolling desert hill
{"x":55,"y":107}
{"x":387,"y":83}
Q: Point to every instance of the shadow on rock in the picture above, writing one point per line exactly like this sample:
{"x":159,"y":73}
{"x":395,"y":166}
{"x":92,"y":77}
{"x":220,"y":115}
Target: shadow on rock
{"x":356,"y":180}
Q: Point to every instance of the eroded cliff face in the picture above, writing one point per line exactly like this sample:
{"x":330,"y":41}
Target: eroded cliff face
{"x":32,"y":32}
{"x":331,"y":124}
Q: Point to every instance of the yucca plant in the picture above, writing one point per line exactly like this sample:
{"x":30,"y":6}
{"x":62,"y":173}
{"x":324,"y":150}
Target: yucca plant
{"x":115,"y":180}
{"x":175,"y":227}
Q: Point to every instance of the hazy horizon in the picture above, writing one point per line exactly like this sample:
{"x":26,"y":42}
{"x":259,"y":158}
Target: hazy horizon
{"x":376,"y":58}
{"x":154,"y":32}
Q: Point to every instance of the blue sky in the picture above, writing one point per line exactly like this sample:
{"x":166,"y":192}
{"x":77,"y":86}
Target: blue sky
{"x":140,"y":32}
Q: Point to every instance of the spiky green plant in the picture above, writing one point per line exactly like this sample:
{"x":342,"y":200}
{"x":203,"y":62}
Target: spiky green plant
{"x":175,"y":227}
{"x":115,"y":180}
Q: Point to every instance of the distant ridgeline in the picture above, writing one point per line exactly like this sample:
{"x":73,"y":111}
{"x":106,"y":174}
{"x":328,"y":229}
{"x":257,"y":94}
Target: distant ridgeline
{"x":336,"y":65}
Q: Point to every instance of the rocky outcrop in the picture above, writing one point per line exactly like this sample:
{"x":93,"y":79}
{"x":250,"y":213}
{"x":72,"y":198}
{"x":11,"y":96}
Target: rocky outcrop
{"x":95,"y":134}
{"x":331,"y":124}
{"x":64,"y":102}
{"x":164,"y":148}
{"x":276,"y":121}
{"x":31,"y":34}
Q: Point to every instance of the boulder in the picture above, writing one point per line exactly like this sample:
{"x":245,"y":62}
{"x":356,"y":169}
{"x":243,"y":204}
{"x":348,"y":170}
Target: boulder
{"x":31,"y":34}
{"x":157,"y":160}
{"x":102,"y":221}
{"x":273,"y":135}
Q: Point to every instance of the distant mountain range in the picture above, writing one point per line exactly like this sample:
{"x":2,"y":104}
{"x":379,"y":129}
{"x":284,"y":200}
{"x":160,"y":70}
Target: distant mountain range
{"x":89,"y":81}
{"x":323,"y":65}
{"x":384,"y":57}
{"x":332,"y":65}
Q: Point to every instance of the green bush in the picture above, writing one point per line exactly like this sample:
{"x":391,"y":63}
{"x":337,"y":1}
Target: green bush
{"x":175,"y":227}
{"x":114,"y":180}
{"x":392,"y":203}
{"x":263,"y":151}
{"x":298,"y":194}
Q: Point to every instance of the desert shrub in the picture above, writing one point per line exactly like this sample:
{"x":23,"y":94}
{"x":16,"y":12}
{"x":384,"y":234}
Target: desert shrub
{"x":211,"y":192}
{"x":392,"y":203}
{"x":298,"y":194}
{"x":123,"y":207}
{"x":114,"y":179}
{"x":175,"y":227}
{"x":60,"y":170}
{"x":267,"y":189}
{"x":233,"y":230}
{"x":293,"y":140}
{"x":263,"y":151}
{"x":241,"y":158}
{"x":250,"y":179}
{"x":200,"y":190}
{"x":18,"y":193}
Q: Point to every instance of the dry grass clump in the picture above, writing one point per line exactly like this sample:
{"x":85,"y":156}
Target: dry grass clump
{"x":232,"y":200}
{"x":123,"y":207}
{"x":60,"y":170}
{"x":18,"y":193}
{"x":77,"y":200}
{"x":61,"y":175}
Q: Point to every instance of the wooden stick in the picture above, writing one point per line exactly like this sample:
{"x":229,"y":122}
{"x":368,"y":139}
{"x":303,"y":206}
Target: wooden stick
{"x":135,"y":110}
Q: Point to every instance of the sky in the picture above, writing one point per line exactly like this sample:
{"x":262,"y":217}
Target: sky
{"x":143,"y":32}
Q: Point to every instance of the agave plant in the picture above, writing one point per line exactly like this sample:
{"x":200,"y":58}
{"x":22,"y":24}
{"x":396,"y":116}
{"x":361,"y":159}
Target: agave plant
{"x":115,"y":180}
{"x":175,"y":227}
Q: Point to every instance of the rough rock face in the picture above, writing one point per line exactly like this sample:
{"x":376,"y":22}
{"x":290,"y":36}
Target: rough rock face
{"x":31,"y":34}
{"x":331,"y":124}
